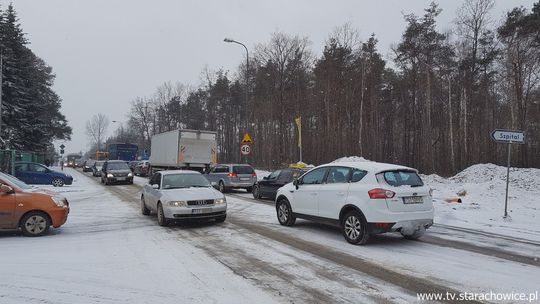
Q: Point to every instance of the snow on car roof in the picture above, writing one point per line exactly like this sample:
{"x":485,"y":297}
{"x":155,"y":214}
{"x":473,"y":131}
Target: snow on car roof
{"x":369,"y":166}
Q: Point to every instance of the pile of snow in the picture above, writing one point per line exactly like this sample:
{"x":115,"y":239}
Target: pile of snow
{"x":482,"y":205}
{"x":351,"y":159}
{"x":521,"y":178}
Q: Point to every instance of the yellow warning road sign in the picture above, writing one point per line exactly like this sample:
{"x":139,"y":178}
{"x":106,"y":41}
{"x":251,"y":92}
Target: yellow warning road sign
{"x":247,"y":139}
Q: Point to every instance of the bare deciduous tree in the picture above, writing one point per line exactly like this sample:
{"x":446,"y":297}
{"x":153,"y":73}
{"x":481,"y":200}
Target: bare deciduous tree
{"x":96,"y":129}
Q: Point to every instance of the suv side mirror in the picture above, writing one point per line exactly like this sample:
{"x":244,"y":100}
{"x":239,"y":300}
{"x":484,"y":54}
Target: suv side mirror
{"x":5,"y":189}
{"x":265,"y":178}
{"x":155,"y":186}
{"x":296,"y":183}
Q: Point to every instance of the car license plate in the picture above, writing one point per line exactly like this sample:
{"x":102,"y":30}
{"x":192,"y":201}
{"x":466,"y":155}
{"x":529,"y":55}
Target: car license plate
{"x":244,"y":179}
{"x":120,"y":178}
{"x":201,"y":210}
{"x":413,"y":200}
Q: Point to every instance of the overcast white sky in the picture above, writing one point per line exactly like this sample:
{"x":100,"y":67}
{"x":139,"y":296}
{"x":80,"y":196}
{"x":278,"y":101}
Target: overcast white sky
{"x":107,"y":52}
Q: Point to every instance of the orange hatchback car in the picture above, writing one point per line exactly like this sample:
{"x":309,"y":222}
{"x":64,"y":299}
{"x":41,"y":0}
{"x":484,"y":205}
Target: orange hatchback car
{"x":33,"y":210}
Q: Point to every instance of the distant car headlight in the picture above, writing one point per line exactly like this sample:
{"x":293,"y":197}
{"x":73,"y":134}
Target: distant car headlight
{"x":110,"y":175}
{"x":130,"y":174}
{"x":58,"y":201}
{"x":178,"y":204}
{"x":220,"y":201}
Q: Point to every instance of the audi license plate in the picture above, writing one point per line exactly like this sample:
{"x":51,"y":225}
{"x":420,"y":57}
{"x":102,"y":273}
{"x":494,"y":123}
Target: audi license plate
{"x":120,"y":178}
{"x":201,"y":210}
{"x":244,"y":179}
{"x":413,"y":200}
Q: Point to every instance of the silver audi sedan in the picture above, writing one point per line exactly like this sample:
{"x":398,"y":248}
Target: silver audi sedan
{"x":179,"y":195}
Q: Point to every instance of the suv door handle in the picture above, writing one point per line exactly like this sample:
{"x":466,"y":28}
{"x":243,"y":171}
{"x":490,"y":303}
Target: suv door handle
{"x":341,"y":193}
{"x":313,"y":193}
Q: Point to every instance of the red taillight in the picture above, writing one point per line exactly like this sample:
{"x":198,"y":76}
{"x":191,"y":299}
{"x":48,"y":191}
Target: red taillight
{"x":254,"y":174}
{"x":232,"y":174}
{"x":380,"y":193}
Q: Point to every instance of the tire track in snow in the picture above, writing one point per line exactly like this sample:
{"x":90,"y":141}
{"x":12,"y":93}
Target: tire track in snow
{"x":443,"y":242}
{"x":409,"y":283}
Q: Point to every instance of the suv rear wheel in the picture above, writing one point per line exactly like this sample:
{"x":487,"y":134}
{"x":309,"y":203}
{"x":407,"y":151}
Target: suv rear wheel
{"x":354,"y":228}
{"x":284,"y":213}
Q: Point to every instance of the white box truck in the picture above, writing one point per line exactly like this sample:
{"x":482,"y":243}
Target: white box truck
{"x":183,"y":149}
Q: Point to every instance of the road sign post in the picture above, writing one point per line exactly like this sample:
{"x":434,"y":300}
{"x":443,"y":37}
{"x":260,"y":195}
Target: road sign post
{"x":62,"y":158}
{"x":508,"y":137}
{"x":245,"y":146}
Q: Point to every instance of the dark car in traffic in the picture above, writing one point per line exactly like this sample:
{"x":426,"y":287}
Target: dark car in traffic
{"x":96,"y":168}
{"x":116,"y":171}
{"x":268,"y":186}
{"x":87,"y":166}
{"x":133,"y":164}
{"x":35,"y":173}
{"x":142,"y":168}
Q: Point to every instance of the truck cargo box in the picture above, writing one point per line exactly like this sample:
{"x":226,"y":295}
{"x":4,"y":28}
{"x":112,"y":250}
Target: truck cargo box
{"x":183,"y":149}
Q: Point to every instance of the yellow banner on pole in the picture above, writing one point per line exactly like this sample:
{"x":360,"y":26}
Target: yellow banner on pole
{"x":298,"y":121}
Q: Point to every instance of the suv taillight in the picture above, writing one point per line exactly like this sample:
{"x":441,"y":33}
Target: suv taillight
{"x":232,"y":174}
{"x":380,"y":193}
{"x":254,"y":174}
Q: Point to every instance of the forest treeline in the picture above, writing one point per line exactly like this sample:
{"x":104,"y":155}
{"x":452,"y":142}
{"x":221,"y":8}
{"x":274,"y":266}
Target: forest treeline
{"x":30,"y":112}
{"x":432,"y":105}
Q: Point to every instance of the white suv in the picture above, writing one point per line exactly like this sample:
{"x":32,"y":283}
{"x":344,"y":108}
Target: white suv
{"x":362,"y":198}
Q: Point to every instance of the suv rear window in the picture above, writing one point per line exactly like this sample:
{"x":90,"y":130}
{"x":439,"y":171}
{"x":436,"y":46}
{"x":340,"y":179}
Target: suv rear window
{"x":398,"y":178}
{"x":243,"y":170}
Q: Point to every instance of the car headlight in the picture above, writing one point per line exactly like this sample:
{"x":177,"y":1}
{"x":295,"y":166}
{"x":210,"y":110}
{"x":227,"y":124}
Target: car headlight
{"x":110,"y":175}
{"x":178,"y":204}
{"x":220,"y":201}
{"x":130,"y":174}
{"x":58,"y":201}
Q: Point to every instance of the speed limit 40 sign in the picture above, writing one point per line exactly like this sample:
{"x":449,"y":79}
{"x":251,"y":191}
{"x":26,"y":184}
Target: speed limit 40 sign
{"x":245,"y":149}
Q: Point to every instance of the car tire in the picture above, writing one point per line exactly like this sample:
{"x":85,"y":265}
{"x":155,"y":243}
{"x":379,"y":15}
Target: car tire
{"x":354,"y":228}
{"x":162,"y":220}
{"x":35,"y":223}
{"x":256,"y":192}
{"x":284,"y":213}
{"x":144,"y":209}
{"x":415,"y":236}
{"x":222,"y":188}
{"x":221,"y":219}
{"x":57,"y":182}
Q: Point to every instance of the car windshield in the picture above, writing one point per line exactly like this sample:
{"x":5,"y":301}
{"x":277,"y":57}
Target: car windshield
{"x":243,"y":170}
{"x":13,"y":180}
{"x":117,"y":166}
{"x":398,"y":178}
{"x":172,"y":181}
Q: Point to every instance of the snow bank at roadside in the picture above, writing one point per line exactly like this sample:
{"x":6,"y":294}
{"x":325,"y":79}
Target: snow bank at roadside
{"x":482,"y":206}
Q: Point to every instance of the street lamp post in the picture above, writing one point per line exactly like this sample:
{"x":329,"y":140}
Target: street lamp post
{"x":229,"y":40}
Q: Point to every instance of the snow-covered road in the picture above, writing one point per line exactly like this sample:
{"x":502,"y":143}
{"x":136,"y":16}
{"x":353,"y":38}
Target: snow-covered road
{"x":109,"y":253}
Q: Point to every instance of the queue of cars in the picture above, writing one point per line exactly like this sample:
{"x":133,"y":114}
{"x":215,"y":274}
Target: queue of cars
{"x":361,"y":198}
